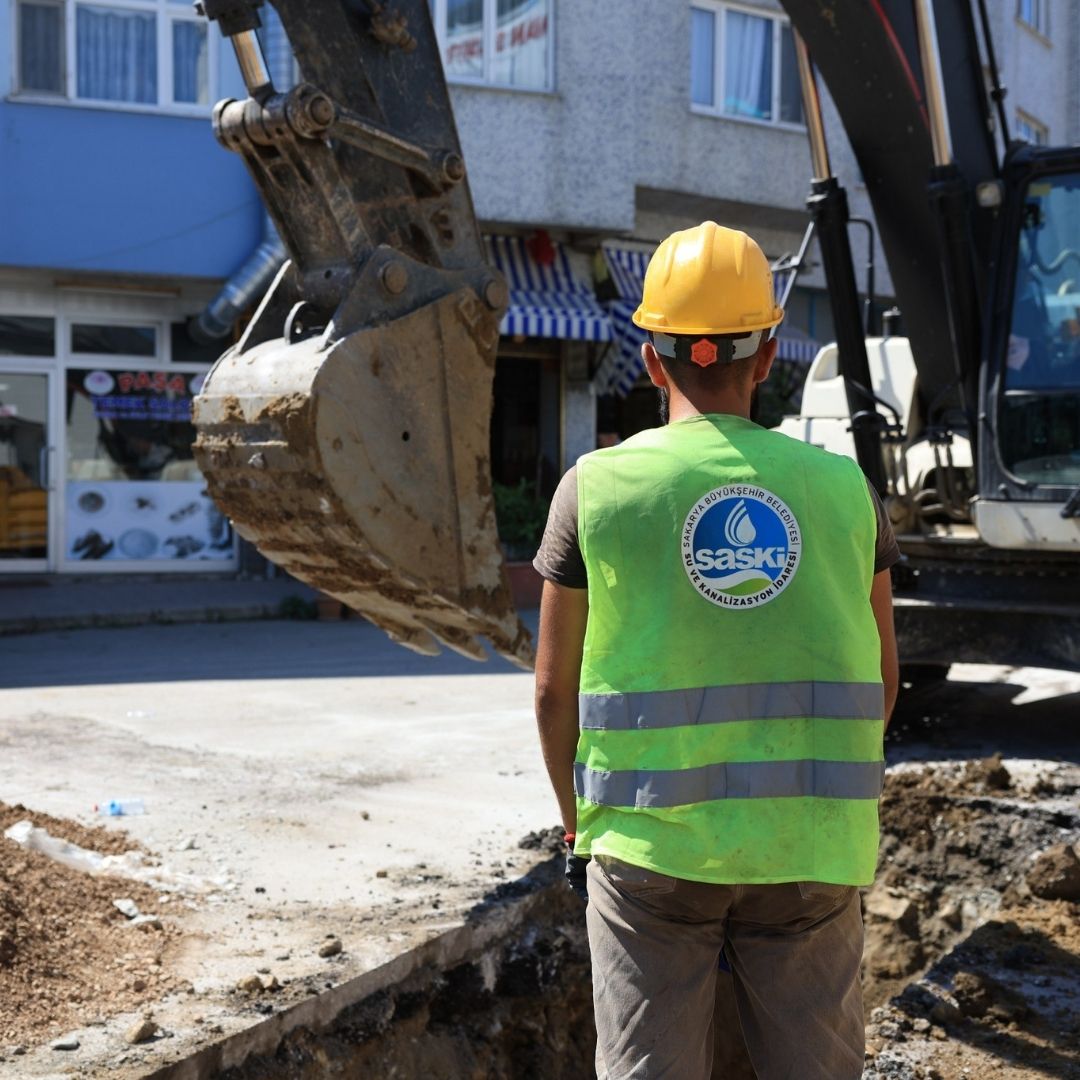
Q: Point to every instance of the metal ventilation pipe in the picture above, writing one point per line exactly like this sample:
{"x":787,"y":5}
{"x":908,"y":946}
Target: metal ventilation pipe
{"x":216,"y":320}
{"x":254,"y":277}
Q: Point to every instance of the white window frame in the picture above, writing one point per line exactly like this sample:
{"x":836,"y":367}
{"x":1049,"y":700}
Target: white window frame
{"x":105,"y":309}
{"x":718,"y":8}
{"x":1040,"y":20}
{"x":438,"y":18}
{"x":166,"y":13}
{"x":1031,"y":129}
{"x":42,"y":366}
{"x":69,"y":360}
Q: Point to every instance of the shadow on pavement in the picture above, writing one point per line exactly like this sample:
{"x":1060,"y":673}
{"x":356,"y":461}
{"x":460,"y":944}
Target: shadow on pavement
{"x":278,"y":649}
{"x":955,"y":720}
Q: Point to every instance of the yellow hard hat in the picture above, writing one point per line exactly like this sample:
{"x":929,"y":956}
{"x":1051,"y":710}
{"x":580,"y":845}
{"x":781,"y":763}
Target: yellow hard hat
{"x":708,"y":280}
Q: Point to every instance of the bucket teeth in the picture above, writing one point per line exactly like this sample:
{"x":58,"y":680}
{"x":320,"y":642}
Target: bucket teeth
{"x":459,"y":640}
{"x":418,"y":641}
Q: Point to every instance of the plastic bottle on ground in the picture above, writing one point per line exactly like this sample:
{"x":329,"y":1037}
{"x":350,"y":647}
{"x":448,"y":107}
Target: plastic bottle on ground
{"x":121,"y":807}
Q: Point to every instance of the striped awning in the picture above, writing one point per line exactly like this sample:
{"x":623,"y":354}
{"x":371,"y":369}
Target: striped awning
{"x":622,"y":364}
{"x":546,"y":301}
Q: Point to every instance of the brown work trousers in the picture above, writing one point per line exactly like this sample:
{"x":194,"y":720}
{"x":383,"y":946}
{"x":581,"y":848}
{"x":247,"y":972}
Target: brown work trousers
{"x":794,"y":950}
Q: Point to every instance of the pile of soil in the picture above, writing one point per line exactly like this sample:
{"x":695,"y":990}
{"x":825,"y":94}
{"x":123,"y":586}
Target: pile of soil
{"x":1004,"y":1002}
{"x":974,"y":925}
{"x":68,"y":956}
{"x":958,"y":843}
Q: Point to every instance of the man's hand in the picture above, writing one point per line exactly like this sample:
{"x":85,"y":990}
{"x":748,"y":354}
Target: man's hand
{"x":563,"y":615}
{"x":575,"y":870}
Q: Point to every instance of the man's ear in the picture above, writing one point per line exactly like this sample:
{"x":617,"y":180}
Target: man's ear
{"x":765,"y":356}
{"x":653,"y":366}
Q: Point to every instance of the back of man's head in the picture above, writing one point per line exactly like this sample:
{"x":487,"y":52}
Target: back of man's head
{"x":705,"y":364}
{"x":708,"y":305}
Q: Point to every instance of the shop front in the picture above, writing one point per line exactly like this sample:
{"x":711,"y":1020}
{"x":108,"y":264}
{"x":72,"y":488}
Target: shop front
{"x":544,"y":411}
{"x":554,"y":327}
{"x":96,"y":465}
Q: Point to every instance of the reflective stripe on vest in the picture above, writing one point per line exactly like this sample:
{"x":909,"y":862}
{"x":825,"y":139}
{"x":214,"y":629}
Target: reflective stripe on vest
{"x":722,"y":704}
{"x":642,"y":788}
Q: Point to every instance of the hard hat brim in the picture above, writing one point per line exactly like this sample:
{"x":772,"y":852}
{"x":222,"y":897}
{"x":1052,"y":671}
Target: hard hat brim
{"x":661,"y":326}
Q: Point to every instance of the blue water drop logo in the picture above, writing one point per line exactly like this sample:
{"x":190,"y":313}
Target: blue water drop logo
{"x":739,"y":529}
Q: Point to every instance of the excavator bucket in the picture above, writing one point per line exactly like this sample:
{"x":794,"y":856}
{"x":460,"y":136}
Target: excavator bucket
{"x":361,"y":467}
{"x":347,"y":433}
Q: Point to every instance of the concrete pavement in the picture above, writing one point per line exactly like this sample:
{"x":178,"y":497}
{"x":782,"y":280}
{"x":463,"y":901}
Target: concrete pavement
{"x":331,"y":783}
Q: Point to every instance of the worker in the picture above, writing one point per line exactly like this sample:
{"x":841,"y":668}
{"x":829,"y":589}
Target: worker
{"x":716,"y":663}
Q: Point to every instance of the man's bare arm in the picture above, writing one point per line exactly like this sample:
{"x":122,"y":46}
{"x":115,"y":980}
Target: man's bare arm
{"x":563,"y":615}
{"x":881,"y":602}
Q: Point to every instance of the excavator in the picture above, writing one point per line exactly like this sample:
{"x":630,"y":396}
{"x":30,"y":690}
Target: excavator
{"x":346,"y":432}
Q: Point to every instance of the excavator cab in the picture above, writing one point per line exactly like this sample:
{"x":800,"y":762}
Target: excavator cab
{"x":1039,"y":404}
{"x":1030,"y":474}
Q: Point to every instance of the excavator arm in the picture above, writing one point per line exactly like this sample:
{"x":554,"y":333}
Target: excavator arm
{"x":346,"y":433}
{"x":978,"y":242}
{"x":869,"y":56}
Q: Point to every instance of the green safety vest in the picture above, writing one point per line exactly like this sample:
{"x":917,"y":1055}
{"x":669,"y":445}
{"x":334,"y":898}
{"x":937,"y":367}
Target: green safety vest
{"x":731,"y":703}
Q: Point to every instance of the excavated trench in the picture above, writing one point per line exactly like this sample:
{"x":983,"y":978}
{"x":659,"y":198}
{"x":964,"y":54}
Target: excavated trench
{"x":959,"y":841}
{"x":519,"y":1006}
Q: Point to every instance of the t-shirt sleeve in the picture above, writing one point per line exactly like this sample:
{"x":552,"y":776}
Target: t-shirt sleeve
{"x":559,"y":558}
{"x":886,"y":550}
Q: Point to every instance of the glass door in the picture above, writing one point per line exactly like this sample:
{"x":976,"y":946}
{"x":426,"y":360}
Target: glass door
{"x":27,"y":505}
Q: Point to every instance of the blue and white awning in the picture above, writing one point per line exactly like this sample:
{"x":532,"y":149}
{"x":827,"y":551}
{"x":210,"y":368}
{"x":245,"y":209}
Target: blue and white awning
{"x":622,"y":363}
{"x":546,"y":301}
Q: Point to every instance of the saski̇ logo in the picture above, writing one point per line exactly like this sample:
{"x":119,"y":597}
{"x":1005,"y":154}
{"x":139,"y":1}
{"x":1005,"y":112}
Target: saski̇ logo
{"x":740,"y":546}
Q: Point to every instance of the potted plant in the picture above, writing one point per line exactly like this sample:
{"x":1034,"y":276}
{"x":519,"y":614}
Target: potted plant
{"x":521,"y":516}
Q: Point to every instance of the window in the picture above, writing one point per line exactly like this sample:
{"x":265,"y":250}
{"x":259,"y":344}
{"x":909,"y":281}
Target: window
{"x":1031,"y":130}
{"x":132,"y":490}
{"x":137,"y":52}
{"x":743,"y":64}
{"x":27,"y":335}
{"x":1036,"y":13}
{"x":496,"y":42}
{"x":101,"y":340}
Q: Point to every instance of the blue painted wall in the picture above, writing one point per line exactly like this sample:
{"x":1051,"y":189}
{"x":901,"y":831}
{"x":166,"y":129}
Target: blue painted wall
{"x":87,"y":189}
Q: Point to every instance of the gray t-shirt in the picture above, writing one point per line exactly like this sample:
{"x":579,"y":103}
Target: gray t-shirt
{"x":559,"y":558}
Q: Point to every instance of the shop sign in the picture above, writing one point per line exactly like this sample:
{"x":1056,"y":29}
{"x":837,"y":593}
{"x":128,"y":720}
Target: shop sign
{"x":514,"y":33}
{"x":140,"y":395}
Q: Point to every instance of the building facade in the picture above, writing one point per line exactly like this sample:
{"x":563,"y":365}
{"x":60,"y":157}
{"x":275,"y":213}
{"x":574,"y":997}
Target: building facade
{"x":121,"y":218}
{"x":590,"y":131}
